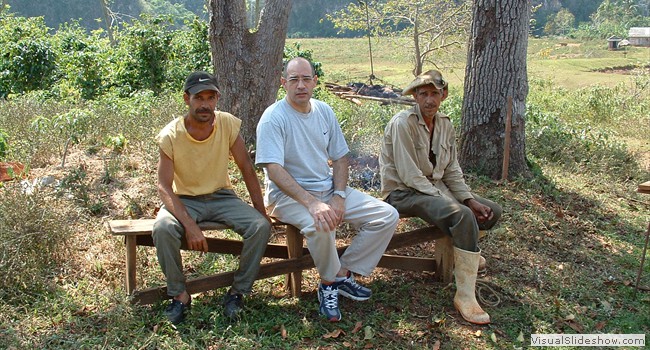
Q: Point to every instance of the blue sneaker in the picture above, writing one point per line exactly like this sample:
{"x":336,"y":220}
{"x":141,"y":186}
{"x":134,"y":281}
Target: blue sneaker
{"x":353,"y":290}
{"x":233,"y":306}
{"x":176,"y":310}
{"x":328,"y":297}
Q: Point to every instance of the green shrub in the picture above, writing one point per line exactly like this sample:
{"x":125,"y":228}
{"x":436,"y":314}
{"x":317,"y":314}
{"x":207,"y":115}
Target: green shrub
{"x":83,"y":62}
{"x":190,"y":51}
{"x":296,"y":51}
{"x":140,"y":59}
{"x":116,"y":143}
{"x":27,"y":57}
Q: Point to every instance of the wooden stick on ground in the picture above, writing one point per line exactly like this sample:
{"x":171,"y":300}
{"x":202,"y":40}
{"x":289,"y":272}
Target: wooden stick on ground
{"x":380,"y":99}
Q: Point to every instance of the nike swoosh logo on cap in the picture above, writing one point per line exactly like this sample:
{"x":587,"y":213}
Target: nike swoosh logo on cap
{"x":203,"y":79}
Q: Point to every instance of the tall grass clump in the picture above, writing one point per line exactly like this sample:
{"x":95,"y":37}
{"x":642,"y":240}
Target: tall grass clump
{"x":603,"y":106}
{"x":577,"y":146}
{"x":581,"y":129}
{"x":35,"y":238}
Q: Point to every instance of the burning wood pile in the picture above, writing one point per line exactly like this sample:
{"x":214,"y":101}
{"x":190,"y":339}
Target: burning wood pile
{"x":355,"y":92}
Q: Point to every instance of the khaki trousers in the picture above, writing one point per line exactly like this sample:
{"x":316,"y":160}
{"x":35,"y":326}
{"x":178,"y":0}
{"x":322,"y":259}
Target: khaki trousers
{"x":444,"y":211}
{"x":224,"y":207}
{"x":374,"y":219}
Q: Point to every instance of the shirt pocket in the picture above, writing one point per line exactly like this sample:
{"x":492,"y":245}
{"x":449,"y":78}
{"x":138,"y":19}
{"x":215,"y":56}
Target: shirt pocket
{"x":422,"y":155}
{"x":444,"y":158}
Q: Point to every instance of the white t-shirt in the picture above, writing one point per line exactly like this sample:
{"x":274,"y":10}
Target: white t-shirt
{"x":302,"y":143}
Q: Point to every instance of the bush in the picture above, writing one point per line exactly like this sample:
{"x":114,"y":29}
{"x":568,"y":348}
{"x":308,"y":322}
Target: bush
{"x":83,"y":62}
{"x":27,"y":58}
{"x":294,"y":51}
{"x":34,"y":240}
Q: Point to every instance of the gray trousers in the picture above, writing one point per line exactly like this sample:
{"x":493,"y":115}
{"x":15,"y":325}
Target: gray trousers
{"x":224,"y":207}
{"x":446,"y":213}
{"x":375,"y":221}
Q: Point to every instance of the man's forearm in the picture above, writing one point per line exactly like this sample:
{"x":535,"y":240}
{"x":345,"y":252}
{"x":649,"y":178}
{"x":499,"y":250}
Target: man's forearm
{"x":340,"y":171}
{"x":173,"y":204}
{"x":288,"y":184}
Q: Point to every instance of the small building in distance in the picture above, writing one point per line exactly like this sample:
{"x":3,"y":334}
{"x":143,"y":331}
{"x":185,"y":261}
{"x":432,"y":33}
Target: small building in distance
{"x":612,"y":43}
{"x":639,"y":36}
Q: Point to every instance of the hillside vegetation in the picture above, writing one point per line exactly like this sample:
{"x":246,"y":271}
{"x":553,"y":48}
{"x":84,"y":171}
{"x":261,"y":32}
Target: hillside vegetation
{"x":564,"y":258}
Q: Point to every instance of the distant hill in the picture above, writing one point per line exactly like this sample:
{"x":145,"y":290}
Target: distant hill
{"x":304,"y":21}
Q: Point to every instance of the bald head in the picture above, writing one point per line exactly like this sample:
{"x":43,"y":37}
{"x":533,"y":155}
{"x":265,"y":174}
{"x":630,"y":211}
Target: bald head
{"x":297,"y":61}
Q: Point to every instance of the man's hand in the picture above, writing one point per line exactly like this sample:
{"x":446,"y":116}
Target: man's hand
{"x":325,"y":217}
{"x":338,"y":205}
{"x":195,"y":239}
{"x":481,"y":212}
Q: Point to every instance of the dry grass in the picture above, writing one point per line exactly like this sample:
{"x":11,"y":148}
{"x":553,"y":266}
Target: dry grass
{"x":563,"y":258}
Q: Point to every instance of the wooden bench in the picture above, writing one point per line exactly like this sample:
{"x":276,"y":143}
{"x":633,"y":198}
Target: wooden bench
{"x":295,"y":257}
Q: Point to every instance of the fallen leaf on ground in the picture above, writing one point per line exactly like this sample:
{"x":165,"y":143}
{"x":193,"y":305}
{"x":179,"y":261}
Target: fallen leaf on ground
{"x":334,"y":334}
{"x":357,"y":327}
{"x":368,"y":333}
{"x":575,"y":326}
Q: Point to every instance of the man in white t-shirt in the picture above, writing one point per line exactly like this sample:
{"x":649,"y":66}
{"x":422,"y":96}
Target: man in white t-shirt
{"x":297,"y":138}
{"x":194,"y":186}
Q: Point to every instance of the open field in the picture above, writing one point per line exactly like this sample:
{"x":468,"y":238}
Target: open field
{"x":568,"y":63}
{"x":563,"y":259}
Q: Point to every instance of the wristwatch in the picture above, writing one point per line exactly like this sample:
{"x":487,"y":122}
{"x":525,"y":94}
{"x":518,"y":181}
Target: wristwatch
{"x":341,"y":194}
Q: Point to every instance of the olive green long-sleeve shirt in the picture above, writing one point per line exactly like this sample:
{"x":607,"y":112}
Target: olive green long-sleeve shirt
{"x":404,"y":158}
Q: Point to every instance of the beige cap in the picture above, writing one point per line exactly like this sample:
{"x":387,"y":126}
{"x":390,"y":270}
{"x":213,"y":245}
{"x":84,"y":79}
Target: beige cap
{"x":429,"y":77}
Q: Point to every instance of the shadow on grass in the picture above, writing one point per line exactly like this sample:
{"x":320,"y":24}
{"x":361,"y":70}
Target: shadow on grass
{"x":568,"y":258}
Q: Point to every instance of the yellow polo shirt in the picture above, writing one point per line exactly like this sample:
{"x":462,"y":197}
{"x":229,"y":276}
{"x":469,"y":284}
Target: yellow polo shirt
{"x":200,"y":167}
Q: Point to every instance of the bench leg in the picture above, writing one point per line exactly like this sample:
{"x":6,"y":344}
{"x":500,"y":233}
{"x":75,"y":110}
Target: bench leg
{"x":294,"y":250}
{"x":130,"y":263}
{"x":444,"y":255}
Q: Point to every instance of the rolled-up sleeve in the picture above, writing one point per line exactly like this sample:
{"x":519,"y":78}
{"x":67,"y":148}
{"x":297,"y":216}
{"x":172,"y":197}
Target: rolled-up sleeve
{"x":454,"y":180}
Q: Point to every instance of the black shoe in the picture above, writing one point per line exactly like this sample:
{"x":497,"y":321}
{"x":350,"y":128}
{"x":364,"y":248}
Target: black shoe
{"x":233,"y":305}
{"x":175,"y":312}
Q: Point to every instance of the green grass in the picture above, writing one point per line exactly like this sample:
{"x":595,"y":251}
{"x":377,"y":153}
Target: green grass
{"x":572,"y":66}
{"x":563,"y":259}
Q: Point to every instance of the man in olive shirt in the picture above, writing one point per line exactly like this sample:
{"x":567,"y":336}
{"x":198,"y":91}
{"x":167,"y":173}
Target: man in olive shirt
{"x":420,"y":176}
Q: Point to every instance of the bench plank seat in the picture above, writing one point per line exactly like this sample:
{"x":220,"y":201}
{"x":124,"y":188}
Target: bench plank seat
{"x":296,"y":257}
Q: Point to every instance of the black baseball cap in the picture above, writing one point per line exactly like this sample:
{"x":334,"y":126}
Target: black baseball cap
{"x":199,"y":81}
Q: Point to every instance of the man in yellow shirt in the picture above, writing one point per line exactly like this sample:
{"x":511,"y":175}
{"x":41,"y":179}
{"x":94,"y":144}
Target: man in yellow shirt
{"x":420,"y":176}
{"x":194,"y":186}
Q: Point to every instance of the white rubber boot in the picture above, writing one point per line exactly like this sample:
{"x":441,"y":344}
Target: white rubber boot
{"x":465,"y":269}
{"x":481,"y":263}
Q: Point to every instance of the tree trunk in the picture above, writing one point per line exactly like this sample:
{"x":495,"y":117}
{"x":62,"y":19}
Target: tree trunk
{"x":107,"y":19}
{"x":416,"y":44}
{"x":496,"y":70}
{"x":247,"y":65}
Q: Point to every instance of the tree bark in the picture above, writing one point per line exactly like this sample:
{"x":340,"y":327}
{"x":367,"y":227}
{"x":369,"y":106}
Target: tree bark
{"x":107,"y":19}
{"x":247,"y":64}
{"x":496,"y":69}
